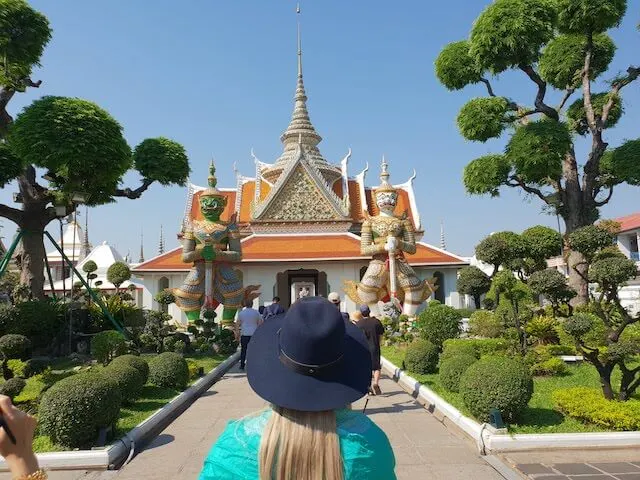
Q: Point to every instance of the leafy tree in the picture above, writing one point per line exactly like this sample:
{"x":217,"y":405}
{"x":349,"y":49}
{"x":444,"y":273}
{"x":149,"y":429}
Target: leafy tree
{"x":561,"y":45}
{"x":473,"y":281}
{"x":118,"y":273}
{"x":601,"y":331}
{"x":500,"y":250}
{"x":80,"y":146}
{"x":552,"y":285}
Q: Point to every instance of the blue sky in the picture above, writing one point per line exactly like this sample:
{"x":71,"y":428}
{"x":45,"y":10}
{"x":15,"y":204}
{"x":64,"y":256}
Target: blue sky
{"x":219,"y":77}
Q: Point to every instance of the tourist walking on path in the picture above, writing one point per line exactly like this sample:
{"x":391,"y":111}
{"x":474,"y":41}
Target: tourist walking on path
{"x":248,"y":321}
{"x":310,"y":365}
{"x":334,"y":297}
{"x":274,"y":309}
{"x":373,"y":330}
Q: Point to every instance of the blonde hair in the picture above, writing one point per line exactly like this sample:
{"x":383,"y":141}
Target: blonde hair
{"x":300,"y":445}
{"x":356,"y":316}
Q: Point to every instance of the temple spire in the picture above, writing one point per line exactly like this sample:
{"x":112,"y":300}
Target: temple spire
{"x":299,"y":44}
{"x":86,"y":246}
{"x":141,"y":259}
{"x":161,"y":244}
{"x":443,"y":244}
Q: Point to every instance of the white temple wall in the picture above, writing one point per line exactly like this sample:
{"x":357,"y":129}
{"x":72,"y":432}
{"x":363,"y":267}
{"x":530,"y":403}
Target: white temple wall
{"x":265,"y":275}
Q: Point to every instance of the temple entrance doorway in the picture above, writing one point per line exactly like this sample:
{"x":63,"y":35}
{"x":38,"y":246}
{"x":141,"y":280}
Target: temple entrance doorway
{"x":294,"y":284}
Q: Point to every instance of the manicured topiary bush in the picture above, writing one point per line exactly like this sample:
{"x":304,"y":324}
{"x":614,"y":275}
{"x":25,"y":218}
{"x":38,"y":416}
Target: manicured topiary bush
{"x":73,"y":409}
{"x":107,"y":345}
{"x":496,"y":382}
{"x":452,"y":369}
{"x":481,"y":346}
{"x":551,"y":367}
{"x":128,"y":378}
{"x":486,"y":324}
{"x":169,"y":369}
{"x":458,"y":348}
{"x":134,"y":361}
{"x":12,"y":387}
{"x":15,"y":346}
{"x":421,"y":357}
{"x":589,"y":406}
{"x":226,"y":342}
{"x":438,"y":323}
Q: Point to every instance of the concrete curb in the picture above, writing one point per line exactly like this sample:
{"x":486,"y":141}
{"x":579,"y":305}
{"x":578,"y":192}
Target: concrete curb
{"x":123,"y":448}
{"x":491,"y":440}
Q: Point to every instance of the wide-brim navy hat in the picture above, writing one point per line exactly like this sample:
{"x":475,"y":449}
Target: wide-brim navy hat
{"x":309,"y":359}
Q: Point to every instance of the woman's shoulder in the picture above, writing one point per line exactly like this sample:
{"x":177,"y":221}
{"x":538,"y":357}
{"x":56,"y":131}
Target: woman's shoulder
{"x":234,"y":455}
{"x":365,"y":448}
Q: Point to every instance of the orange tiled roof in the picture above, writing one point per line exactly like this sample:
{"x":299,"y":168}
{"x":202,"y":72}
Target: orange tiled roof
{"x":328,"y":247}
{"x":629,"y":222}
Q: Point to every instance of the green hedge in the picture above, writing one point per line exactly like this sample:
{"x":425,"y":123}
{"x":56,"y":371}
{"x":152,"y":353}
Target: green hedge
{"x":589,"y":405}
{"x":481,"y":346}
{"x":134,"y":361}
{"x":169,"y":369}
{"x":421,"y":357}
{"x":128,"y":378}
{"x":73,"y":409}
{"x":452,"y":369}
{"x":496,"y":382}
{"x":40,"y":321}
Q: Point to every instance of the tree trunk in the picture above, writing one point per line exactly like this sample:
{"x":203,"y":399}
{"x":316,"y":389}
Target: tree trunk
{"x":605,"y":381}
{"x":476,"y":300}
{"x":32,"y":261}
{"x":577,"y":275}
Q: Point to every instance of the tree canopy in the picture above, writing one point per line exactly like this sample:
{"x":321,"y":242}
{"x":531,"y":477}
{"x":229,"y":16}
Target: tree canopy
{"x":555,"y":44}
{"x":80,"y":145}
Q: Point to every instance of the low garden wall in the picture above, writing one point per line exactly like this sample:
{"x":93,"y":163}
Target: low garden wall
{"x":490,"y":440}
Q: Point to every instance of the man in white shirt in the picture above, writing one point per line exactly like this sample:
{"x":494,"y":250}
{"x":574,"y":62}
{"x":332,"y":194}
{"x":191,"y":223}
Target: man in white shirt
{"x":248,"y":321}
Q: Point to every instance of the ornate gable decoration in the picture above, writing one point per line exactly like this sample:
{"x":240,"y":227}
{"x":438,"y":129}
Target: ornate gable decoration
{"x":301,"y":194}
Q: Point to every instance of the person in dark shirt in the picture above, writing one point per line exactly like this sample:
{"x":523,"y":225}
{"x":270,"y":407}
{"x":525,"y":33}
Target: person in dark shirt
{"x":373,"y":330}
{"x":274,"y":309}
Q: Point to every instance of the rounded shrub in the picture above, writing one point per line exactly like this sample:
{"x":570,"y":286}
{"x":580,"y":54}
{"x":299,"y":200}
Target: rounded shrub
{"x":134,"y":361}
{"x":107,"y":345}
{"x":421,"y":357}
{"x":486,"y":324}
{"x":496,"y":382}
{"x":438,"y":323}
{"x":128,"y":378}
{"x":12,"y":387}
{"x":457,"y":348}
{"x":15,"y":346}
{"x":73,"y":409}
{"x":169,"y":369}
{"x":452,"y":369}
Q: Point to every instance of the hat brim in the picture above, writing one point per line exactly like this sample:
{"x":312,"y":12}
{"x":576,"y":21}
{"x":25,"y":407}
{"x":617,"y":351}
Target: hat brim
{"x":282,"y":386}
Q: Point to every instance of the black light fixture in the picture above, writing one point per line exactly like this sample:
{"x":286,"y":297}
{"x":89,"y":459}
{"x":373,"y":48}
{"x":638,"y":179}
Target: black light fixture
{"x":495,"y":419}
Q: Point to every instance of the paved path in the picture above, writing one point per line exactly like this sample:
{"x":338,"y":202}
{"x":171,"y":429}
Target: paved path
{"x":604,"y":464}
{"x":424,"y":448}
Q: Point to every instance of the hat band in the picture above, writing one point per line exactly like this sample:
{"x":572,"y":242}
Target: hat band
{"x":304,"y":368}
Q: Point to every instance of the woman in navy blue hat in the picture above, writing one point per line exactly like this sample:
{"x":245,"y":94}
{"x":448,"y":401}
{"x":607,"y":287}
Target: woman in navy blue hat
{"x":310,"y":365}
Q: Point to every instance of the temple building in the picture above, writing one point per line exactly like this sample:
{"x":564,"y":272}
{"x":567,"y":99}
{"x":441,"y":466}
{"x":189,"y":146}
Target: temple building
{"x":300,"y":219}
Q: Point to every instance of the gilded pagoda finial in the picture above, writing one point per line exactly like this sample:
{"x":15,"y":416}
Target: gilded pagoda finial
{"x":212,"y":181}
{"x":385,"y":186}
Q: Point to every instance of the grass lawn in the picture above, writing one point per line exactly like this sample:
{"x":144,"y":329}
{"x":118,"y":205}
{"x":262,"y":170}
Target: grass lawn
{"x":540,"y":416}
{"x":152,"y":398}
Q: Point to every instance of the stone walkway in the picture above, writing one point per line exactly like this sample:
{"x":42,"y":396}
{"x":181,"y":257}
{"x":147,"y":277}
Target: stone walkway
{"x":423,"y":447}
{"x":606,"y":464}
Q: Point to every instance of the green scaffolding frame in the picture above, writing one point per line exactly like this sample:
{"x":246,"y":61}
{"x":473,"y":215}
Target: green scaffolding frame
{"x":4,"y":264}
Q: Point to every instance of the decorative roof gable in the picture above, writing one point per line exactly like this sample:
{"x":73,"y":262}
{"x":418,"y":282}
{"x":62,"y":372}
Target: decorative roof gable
{"x":301,"y":194}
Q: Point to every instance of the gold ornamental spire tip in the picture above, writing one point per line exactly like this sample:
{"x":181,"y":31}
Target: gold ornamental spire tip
{"x":385,"y":186}
{"x":299,"y":43}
